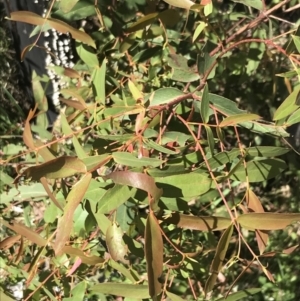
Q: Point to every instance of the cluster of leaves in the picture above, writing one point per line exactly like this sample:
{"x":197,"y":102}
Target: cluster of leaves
{"x":150,"y":181}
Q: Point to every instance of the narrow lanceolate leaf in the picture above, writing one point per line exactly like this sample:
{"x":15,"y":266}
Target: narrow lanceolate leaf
{"x":61,"y":167}
{"x":235,"y":119}
{"x":114,"y":240}
{"x":219,"y":258}
{"x":65,"y":223}
{"x":241,"y":294}
{"x":154,"y":254}
{"x":204,"y":108}
{"x":200,"y":223}
{"x":126,"y":290}
{"x":27,"y":134}
{"x":210,"y":139}
{"x":25,"y":232}
{"x":34,"y":19}
{"x":267,"y":221}
{"x":288,"y":107}
{"x":92,"y":260}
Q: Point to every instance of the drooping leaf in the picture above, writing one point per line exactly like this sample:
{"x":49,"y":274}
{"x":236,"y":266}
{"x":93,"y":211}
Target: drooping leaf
{"x":154,"y":254}
{"x":204,"y":108}
{"x":267,"y":220}
{"x":219,"y":258}
{"x":115,"y":244}
{"x":92,"y":260}
{"x":25,"y":232}
{"x":32,"y":18}
{"x":65,"y":223}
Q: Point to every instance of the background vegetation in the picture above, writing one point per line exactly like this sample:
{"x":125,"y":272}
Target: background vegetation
{"x":170,"y":173}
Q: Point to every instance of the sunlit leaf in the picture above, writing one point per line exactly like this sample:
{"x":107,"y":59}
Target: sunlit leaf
{"x":233,"y":120}
{"x":114,"y":240}
{"x":65,"y":223}
{"x":32,"y":18}
{"x":137,"y":180}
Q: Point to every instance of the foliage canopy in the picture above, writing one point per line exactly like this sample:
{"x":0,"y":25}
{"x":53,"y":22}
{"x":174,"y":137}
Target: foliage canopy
{"x":155,"y":181}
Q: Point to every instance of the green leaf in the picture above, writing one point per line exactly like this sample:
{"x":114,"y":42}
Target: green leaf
{"x":65,"y":223}
{"x":296,"y":42}
{"x":115,"y":244}
{"x":122,"y":290}
{"x":23,"y":192}
{"x":184,"y":185}
{"x":154,"y":254}
{"x":165,"y":96}
{"x":80,"y":11}
{"x":239,"y":118}
{"x":204,"y":108}
{"x":142,"y":23}
{"x":30,"y":234}
{"x":61,"y":167}
{"x":288,"y":106}
{"x":113,"y":198}
{"x":219,"y":258}
{"x":98,"y":80}
{"x":173,"y":297}
{"x":67,"y":5}
{"x":241,"y":294}
{"x":132,"y":161}
{"x":210,"y":138}
{"x":87,"y":56}
{"x":257,"y":4}
{"x":259,"y":171}
{"x":200,"y":27}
